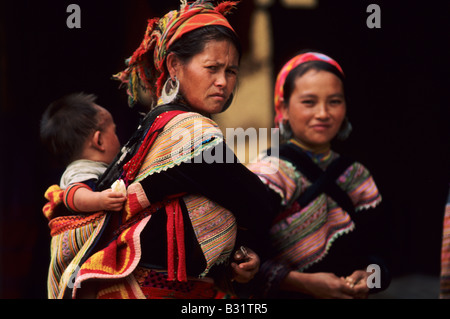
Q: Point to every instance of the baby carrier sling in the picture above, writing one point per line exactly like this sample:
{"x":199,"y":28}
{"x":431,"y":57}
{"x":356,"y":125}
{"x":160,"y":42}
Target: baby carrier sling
{"x":115,"y":170}
{"x":322,"y":181}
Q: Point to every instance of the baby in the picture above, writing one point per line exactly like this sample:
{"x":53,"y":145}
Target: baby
{"x":83,"y":136}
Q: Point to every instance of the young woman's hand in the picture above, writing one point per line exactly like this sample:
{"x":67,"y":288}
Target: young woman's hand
{"x":321,"y":285}
{"x":358,"y":282}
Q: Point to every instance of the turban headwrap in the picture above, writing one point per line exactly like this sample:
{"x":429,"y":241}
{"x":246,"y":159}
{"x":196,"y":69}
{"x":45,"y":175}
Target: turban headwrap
{"x":287,"y":68}
{"x":146,"y":65}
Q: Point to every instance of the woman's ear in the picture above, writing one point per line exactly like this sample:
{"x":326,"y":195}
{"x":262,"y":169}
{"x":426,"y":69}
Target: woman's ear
{"x":284,"y":108}
{"x":172,"y":63}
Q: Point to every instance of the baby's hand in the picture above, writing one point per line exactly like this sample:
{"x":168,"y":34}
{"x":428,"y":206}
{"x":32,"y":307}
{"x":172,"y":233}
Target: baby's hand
{"x":113,"y":200}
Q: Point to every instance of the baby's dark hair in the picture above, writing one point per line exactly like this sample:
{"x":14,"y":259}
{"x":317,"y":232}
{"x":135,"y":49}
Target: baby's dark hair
{"x":67,"y":123}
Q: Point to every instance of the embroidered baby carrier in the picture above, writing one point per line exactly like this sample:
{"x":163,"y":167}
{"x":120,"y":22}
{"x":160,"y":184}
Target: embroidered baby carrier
{"x":74,"y":237}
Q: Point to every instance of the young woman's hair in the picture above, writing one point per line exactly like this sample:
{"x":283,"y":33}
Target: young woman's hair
{"x":67,"y":123}
{"x":300,"y":70}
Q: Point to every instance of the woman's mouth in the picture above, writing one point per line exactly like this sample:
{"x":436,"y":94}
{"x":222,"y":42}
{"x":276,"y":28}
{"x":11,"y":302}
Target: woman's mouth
{"x":218,"y":97}
{"x":320,"y":127}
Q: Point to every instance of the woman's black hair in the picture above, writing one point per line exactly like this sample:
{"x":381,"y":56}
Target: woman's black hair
{"x":194,"y":41}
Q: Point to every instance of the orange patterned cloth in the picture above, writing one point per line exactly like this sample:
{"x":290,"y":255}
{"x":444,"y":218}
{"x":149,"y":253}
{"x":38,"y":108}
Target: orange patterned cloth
{"x":54,"y":194}
{"x":59,"y":224}
{"x":71,"y":237}
{"x":117,"y":260}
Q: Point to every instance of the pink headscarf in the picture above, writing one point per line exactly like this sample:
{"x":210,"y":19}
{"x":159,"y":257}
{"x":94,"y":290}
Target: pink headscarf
{"x":290,"y":65}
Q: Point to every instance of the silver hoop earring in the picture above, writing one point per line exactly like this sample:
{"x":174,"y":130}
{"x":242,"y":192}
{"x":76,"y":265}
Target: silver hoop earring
{"x":285,"y":130}
{"x":170,"y":90}
{"x":345,"y":130}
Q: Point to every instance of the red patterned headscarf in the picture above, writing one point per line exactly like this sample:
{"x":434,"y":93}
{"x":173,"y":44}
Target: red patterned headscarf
{"x":290,"y":65}
{"x":147,"y":69}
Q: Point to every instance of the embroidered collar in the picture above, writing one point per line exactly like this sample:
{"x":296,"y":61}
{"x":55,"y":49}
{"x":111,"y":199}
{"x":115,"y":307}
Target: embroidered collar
{"x":319,"y":156}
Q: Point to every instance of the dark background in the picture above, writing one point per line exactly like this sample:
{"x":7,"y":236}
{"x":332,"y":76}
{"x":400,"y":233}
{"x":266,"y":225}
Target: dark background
{"x":397,"y":89}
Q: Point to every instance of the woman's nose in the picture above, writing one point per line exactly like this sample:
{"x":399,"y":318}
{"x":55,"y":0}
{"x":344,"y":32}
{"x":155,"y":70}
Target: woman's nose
{"x":221,"y":80}
{"x":322,"y":111}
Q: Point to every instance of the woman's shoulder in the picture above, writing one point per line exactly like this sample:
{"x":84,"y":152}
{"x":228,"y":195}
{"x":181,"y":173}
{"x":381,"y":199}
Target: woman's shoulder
{"x":360,"y":185}
{"x":194,"y":127}
{"x":192,"y":121}
{"x":355,"y":171}
{"x":184,"y":137}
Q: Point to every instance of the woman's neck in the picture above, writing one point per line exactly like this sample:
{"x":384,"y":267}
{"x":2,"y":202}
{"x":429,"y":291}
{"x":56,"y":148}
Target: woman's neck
{"x":316,"y":150}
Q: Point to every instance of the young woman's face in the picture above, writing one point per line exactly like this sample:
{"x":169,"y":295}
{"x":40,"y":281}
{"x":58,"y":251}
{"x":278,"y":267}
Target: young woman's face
{"x":209,"y":78}
{"x":316,"y":108}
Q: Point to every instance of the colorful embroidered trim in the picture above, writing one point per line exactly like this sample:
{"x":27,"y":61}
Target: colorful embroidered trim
{"x":184,"y":137}
{"x":71,"y":237}
{"x":61,"y":224}
{"x":215,"y":229}
{"x":54,"y":194}
{"x":116,"y":261}
{"x":69,"y":196}
{"x":305,"y":236}
{"x":132,"y":167}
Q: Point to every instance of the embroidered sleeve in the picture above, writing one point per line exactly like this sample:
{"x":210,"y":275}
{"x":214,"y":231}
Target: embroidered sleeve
{"x":278,"y":175}
{"x":361,"y":187}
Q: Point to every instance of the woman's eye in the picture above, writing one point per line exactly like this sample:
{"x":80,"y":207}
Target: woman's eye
{"x":212,"y":67}
{"x":308,"y":102}
{"x":336,"y":102}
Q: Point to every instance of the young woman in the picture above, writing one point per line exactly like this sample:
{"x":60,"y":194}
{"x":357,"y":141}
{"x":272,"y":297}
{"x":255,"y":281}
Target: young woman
{"x":316,"y":237}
